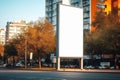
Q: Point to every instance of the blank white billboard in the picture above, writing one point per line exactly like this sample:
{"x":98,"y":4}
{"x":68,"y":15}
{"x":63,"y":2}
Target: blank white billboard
{"x":70,"y":28}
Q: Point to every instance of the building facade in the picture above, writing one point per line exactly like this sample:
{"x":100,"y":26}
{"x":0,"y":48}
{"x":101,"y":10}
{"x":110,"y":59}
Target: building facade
{"x":14,"y":28}
{"x":51,"y":10}
{"x":90,"y":8}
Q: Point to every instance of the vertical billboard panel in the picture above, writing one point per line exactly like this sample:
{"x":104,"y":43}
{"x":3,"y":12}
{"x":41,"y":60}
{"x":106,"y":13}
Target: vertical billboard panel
{"x":70,"y":31}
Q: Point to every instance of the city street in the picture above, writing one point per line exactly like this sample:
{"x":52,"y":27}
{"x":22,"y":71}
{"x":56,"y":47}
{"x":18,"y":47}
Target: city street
{"x":6,"y":74}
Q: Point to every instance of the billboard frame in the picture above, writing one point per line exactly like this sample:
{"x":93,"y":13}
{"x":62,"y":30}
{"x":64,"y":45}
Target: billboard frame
{"x":58,"y":37}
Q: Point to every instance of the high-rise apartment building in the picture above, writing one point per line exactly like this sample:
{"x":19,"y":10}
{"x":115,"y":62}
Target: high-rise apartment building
{"x":106,"y":6}
{"x":76,"y":3}
{"x":85,"y":4}
{"x":115,"y":7}
{"x":90,"y":8}
{"x":14,"y":28}
{"x":51,"y":10}
{"x":86,"y":14}
{"x":2,"y":36}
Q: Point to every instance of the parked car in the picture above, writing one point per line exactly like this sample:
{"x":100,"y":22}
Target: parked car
{"x":19,"y":65}
{"x":89,"y":67}
{"x":112,"y":67}
{"x":103,"y":67}
{"x":4,"y":65}
{"x":45,"y":65}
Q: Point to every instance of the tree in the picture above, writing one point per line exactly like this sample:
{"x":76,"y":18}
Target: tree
{"x":106,"y":37}
{"x":108,"y":32}
{"x":100,"y":20}
{"x":20,"y":44}
{"x":41,"y":39}
{"x":1,"y":49}
{"x":10,"y":50}
{"x":103,"y":20}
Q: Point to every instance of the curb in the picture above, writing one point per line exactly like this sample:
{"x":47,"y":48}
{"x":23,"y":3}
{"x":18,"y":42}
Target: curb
{"x":90,"y":70}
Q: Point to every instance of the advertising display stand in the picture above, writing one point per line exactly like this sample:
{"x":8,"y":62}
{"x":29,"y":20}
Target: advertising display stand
{"x":69,"y":33}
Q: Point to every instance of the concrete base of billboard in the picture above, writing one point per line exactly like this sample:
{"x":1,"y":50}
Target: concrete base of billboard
{"x":58,"y":63}
{"x":81,"y":63}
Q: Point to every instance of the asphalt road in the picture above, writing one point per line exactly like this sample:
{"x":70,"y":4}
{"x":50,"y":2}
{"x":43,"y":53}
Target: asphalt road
{"x":55,"y":75}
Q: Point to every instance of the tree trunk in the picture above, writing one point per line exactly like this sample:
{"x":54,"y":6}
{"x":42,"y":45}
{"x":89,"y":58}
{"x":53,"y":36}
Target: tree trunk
{"x":39,"y":62}
{"x":115,"y":60}
{"x":13,"y":61}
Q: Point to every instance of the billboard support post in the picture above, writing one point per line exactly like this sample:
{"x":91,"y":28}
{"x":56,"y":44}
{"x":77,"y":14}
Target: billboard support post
{"x":58,"y":63}
{"x":81,"y":63}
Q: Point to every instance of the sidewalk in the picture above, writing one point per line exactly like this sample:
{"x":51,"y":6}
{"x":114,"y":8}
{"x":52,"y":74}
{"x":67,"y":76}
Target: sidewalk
{"x":90,"y":70}
{"x":66,"y":70}
{"x":71,"y":70}
{"x":39,"y":69}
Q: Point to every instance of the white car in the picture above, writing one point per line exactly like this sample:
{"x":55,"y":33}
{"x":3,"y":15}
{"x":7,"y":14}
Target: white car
{"x":19,"y":64}
{"x":103,"y":67}
{"x":89,"y":67}
{"x":4,"y":65}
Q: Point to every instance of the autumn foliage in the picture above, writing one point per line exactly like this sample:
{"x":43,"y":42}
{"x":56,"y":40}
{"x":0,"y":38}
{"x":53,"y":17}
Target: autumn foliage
{"x":38,"y":38}
{"x":1,"y":49}
{"x":41,"y":39}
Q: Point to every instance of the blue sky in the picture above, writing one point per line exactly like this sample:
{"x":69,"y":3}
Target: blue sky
{"x":28,"y":10}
